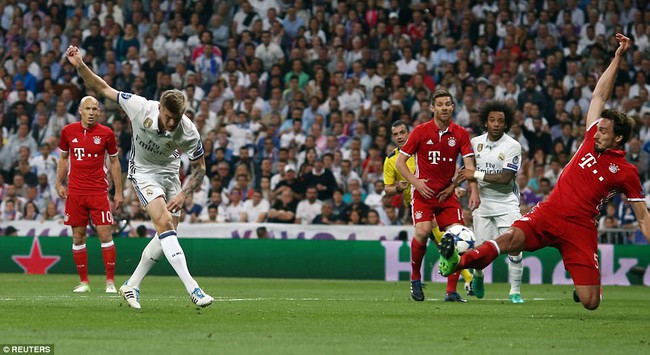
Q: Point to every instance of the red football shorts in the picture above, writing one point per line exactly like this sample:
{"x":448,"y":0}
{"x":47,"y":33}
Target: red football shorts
{"x":577,"y":243}
{"x":79,"y":207}
{"x":446,"y":213}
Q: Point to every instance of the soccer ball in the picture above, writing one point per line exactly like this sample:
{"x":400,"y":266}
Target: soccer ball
{"x":463,"y":237}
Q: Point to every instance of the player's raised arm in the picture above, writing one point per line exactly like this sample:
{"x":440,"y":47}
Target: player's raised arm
{"x":605,"y":84}
{"x":92,"y":80}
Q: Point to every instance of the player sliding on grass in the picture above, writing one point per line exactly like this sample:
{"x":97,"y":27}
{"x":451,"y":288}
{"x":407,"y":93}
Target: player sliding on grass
{"x":86,"y":192}
{"x":395,"y":183}
{"x":436,"y":145}
{"x":497,"y":160}
{"x":565,"y":221}
{"x":160,"y":130}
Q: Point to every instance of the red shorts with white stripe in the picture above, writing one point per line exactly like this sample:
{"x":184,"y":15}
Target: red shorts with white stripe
{"x":577,"y":242}
{"x":446,"y":213}
{"x":78,"y":208}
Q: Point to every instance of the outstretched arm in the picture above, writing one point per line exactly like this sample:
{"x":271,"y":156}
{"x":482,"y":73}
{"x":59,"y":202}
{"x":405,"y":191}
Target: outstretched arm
{"x":92,"y":81}
{"x":605,"y":84}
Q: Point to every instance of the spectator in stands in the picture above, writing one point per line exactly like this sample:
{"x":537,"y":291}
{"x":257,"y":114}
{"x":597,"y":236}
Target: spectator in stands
{"x":284,"y":209}
{"x":51,"y":213}
{"x":308,"y":208}
{"x":9,"y":211}
{"x":638,"y":157}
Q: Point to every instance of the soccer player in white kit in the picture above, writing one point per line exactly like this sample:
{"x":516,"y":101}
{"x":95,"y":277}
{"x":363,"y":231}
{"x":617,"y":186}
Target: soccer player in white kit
{"x":498,"y":157}
{"x":160,"y":130}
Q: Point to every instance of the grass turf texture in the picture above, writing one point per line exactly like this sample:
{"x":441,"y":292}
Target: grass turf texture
{"x":273,"y":316}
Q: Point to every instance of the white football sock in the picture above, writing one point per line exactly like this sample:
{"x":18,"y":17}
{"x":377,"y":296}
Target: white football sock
{"x":176,"y":257}
{"x":515,"y":271}
{"x":150,"y":256}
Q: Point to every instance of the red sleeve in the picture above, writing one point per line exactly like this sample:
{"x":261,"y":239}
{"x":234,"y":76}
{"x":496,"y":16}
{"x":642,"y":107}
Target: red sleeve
{"x":63,"y":142}
{"x":632,"y":185}
{"x":465,"y":143}
{"x":412,"y":143}
{"x":111,"y":144}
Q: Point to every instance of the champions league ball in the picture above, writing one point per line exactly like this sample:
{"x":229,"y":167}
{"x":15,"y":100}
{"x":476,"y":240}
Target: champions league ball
{"x":463,"y":237}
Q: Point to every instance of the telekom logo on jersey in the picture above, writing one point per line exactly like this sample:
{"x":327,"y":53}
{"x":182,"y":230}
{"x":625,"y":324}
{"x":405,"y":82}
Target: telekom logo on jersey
{"x":434,"y":157}
{"x":588,"y":160}
{"x":79,"y":153}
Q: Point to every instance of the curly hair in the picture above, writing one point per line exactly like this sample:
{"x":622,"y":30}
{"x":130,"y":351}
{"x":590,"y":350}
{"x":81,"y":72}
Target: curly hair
{"x":497,"y":106}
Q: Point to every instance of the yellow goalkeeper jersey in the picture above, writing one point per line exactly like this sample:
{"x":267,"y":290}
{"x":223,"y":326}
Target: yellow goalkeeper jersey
{"x":391,"y":175}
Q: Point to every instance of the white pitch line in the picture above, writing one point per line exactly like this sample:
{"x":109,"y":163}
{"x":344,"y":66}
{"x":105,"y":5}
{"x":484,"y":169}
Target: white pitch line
{"x":229,"y":299}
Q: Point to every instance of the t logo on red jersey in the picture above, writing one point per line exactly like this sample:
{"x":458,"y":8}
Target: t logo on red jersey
{"x":79,"y":153}
{"x":588,"y":160}
{"x":434,"y":156}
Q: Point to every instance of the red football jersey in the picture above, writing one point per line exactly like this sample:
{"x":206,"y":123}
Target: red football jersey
{"x":590,"y":179}
{"x":87,"y":148}
{"x":436,"y":152}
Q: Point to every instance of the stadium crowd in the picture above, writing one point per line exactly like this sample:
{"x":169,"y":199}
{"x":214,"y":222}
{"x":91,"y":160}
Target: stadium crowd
{"x":294,"y":99}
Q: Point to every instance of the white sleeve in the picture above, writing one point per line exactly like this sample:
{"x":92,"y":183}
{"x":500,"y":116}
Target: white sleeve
{"x":474,"y":143}
{"x":513,"y":156}
{"x":135,"y":106}
{"x":191,"y":144}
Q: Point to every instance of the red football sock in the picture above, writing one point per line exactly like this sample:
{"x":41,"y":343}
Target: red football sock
{"x":452,"y":280}
{"x":480,"y":257}
{"x":417,"y":255}
{"x":108,"y":252}
{"x":81,"y":260}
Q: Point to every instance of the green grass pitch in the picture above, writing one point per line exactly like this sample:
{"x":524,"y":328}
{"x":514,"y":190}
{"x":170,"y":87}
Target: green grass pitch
{"x":277,"y":316}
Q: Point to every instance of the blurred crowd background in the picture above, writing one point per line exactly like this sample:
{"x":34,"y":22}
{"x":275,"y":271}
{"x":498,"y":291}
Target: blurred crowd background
{"x":294,"y":99}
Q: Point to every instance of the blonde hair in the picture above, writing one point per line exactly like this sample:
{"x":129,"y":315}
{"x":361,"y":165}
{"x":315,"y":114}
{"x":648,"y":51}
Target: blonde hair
{"x":174,"y":101}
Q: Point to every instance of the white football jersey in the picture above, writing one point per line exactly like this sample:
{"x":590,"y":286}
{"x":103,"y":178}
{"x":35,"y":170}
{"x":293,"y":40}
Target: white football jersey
{"x":492,"y":158}
{"x":153,"y":152}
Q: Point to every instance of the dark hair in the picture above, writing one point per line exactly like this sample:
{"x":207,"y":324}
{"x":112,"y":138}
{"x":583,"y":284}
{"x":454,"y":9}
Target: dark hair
{"x":141,"y":231}
{"x":400,"y":123}
{"x":497,"y":106}
{"x":441,"y":93}
{"x":623,"y":124}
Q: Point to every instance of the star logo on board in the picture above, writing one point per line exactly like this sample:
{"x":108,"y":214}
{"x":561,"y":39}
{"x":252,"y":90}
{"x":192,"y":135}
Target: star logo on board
{"x":35,"y":263}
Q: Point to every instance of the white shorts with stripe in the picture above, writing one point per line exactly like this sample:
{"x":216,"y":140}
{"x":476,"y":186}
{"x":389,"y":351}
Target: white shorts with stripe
{"x":490,"y":227}
{"x":149,"y":187}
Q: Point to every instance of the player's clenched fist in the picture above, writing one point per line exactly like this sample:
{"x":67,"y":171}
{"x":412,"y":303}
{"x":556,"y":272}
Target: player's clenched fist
{"x":74,"y":55}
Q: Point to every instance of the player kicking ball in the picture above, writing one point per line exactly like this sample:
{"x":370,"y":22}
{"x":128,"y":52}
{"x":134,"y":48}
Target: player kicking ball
{"x":566,"y":220}
{"x":84,"y":146}
{"x":160,"y":130}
